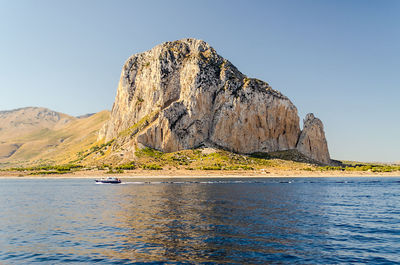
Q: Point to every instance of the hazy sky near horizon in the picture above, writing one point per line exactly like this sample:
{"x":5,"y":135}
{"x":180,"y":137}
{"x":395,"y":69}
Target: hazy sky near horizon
{"x":337,"y":59}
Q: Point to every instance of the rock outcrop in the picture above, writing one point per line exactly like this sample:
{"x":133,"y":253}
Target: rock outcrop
{"x":312,"y":142}
{"x":183,"y":95}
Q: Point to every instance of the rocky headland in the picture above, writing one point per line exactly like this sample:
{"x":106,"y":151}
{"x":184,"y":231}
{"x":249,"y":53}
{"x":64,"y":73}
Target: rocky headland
{"x":183,"y":95}
{"x":180,"y":110}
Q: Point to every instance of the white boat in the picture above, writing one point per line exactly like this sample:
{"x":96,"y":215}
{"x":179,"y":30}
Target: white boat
{"x":109,"y":180}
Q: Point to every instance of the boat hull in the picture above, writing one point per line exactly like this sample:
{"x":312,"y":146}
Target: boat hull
{"x":108,"y":181}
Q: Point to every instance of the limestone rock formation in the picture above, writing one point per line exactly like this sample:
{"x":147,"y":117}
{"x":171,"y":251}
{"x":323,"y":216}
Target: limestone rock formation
{"x":182,"y":95}
{"x":312,"y":142}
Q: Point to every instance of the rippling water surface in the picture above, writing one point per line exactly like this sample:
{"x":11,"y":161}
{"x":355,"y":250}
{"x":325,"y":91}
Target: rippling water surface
{"x":255,"y":221}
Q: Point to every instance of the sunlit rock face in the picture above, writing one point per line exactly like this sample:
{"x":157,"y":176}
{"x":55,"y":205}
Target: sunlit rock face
{"x":312,"y":141}
{"x":183,"y":95}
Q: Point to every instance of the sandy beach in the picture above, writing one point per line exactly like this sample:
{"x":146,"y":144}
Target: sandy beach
{"x":273,"y":173}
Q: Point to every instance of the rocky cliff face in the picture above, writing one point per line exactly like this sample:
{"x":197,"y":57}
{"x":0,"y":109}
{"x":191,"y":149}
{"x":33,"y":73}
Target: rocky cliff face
{"x":182,"y":95}
{"x":312,"y":142}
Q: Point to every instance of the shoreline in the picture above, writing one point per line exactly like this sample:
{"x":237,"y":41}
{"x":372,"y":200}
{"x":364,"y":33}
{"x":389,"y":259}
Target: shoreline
{"x":166,"y":174}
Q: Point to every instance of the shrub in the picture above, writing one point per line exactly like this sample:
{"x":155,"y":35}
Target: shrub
{"x":152,"y":167}
{"x":149,"y":152}
{"x":111,"y":171}
{"x":130,"y":166}
{"x":212,"y":167}
{"x":236,"y":167}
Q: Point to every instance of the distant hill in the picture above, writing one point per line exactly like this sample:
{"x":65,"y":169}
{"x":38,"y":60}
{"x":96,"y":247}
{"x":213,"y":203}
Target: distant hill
{"x":25,"y":120}
{"x":85,"y":115}
{"x":31,"y":136}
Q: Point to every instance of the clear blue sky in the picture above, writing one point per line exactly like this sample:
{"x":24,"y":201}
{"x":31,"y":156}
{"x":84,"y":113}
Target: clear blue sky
{"x":337,"y":59}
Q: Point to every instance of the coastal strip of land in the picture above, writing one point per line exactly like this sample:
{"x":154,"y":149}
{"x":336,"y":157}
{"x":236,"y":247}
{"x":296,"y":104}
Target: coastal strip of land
{"x":139,"y":173}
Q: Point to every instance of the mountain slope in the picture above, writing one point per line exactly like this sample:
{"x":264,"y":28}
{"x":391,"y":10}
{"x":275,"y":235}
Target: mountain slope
{"x":33,"y":136}
{"x":26,"y":120}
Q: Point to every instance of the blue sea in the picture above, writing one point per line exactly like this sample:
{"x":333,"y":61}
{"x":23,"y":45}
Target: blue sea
{"x":200,"y":221}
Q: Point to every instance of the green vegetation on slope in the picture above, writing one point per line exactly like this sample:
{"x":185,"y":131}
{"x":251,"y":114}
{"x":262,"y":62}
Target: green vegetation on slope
{"x":363,"y":167}
{"x":201,"y":159}
{"x":58,"y":145}
{"x":49,"y":169}
{"x":204,"y":159}
{"x":140,"y":125}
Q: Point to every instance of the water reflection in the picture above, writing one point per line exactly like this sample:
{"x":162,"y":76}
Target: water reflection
{"x":300,"y":221}
{"x":212,"y":222}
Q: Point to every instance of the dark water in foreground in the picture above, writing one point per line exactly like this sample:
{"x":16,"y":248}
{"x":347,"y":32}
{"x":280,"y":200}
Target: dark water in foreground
{"x":304,"y":221}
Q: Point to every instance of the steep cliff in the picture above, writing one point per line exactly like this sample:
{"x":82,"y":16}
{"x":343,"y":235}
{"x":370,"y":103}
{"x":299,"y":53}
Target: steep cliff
{"x":312,"y":142}
{"x":183,"y":95}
